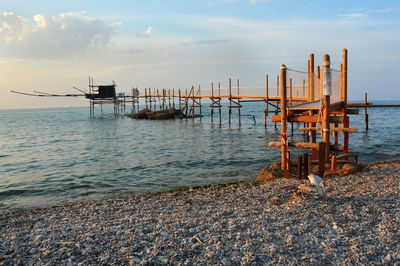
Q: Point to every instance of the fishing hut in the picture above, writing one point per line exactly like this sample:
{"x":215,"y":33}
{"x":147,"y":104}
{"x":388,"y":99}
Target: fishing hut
{"x":106,"y":94}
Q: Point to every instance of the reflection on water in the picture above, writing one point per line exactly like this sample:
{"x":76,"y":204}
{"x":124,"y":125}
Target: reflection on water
{"x":50,"y":156}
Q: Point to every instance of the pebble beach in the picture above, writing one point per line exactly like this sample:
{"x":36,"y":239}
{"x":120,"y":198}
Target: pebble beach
{"x":244,"y":223}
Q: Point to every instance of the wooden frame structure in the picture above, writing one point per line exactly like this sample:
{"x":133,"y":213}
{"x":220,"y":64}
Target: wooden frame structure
{"x":333,"y":114}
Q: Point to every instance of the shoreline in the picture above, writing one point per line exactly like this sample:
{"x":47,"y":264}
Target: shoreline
{"x":241,"y":223}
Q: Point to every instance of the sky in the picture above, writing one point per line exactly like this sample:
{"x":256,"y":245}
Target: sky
{"x":53,"y":46}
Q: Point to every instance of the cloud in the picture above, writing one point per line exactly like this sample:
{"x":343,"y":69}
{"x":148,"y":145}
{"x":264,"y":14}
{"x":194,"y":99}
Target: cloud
{"x":259,"y":1}
{"x":354,"y":15}
{"x":149,"y":31}
{"x":190,"y":41}
{"x":64,"y":35}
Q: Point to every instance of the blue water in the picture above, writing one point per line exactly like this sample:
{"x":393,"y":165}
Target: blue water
{"x":54,"y":156}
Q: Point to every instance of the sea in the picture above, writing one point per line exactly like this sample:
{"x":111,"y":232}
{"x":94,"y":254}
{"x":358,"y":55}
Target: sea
{"x":63,"y":155}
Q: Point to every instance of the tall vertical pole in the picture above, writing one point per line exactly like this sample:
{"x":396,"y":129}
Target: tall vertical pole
{"x":312,"y":85}
{"x":290,"y":92}
{"x":173,"y":98}
{"x":284,"y":151}
{"x":345,"y":78}
{"x":145,"y":97}
{"x":344,"y":96}
{"x":169,"y":98}
{"x":199,"y":99}
{"x":277,"y":94}
{"x":230,"y":101}
{"x":212,"y":101}
{"x":219,"y":101}
{"x":266,"y":101}
{"x":238,"y":101}
{"x":180,"y":100}
{"x":186,"y":102}
{"x":193,"y":102}
{"x":326,"y":105}
{"x":365,"y":111}
{"x":311,"y":97}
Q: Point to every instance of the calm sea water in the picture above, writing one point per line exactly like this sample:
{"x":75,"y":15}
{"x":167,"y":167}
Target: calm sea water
{"x":53,"y":156}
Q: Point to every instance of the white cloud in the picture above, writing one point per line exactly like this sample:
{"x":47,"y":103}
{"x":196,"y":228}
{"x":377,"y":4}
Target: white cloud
{"x":59,"y":36}
{"x":354,"y":15}
{"x":149,"y":31}
{"x":41,"y":21}
{"x":259,"y":1}
{"x":188,"y":41}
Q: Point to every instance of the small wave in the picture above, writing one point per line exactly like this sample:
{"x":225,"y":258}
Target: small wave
{"x":12,"y":192}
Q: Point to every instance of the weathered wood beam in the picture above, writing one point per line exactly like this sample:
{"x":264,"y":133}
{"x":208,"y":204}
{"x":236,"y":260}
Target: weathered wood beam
{"x":350,"y":130}
{"x":307,"y":119}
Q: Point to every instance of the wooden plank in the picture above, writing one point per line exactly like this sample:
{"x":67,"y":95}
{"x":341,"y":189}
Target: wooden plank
{"x":306,"y":145}
{"x":307,"y":119}
{"x":350,"y":130}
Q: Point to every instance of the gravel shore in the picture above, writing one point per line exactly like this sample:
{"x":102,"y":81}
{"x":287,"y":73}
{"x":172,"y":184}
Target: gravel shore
{"x":249,"y":223}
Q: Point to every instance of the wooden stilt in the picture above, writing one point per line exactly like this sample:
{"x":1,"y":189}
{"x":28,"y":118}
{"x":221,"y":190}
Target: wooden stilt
{"x":145,"y":97}
{"x":299,"y":166}
{"x":305,"y":168}
{"x":333,"y":163}
{"x":321,"y":153}
{"x":277,"y":94}
{"x":219,"y":101}
{"x":238,"y":101}
{"x":180,"y":103}
{"x":230,"y":101}
{"x":212,"y":101}
{"x":290,"y":91}
{"x":326,"y":105}
{"x":186,"y":102}
{"x":284,"y":148}
{"x":365,"y":112}
{"x":199,"y":99}
{"x":266,"y":101}
{"x":311,"y":98}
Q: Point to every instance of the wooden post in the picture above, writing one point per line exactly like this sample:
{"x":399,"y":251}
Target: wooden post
{"x":346,"y":135}
{"x":173,"y":98}
{"x":238,"y":101}
{"x":284,"y":151}
{"x":219,"y":101}
{"x":145,"y":97}
{"x":199,"y":99}
{"x":277,"y":94}
{"x":326,"y":105}
{"x":312,"y":85}
{"x":333,"y":164}
{"x":193,"y":102}
{"x":365,"y":112}
{"x":299,"y":166}
{"x":180,"y":104}
{"x":290,"y":91}
{"x":169,"y":98}
{"x":345,"y":78}
{"x":311,"y":97}
{"x":321,"y":153}
{"x":305,"y":168}
{"x":304,"y":87}
{"x":266,"y":101}
{"x":187,"y":102}
{"x":230,"y":101}
{"x":212,"y":101}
